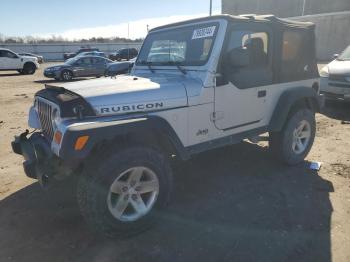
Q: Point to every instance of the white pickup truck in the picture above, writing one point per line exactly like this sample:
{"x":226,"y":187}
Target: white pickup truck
{"x":9,"y":61}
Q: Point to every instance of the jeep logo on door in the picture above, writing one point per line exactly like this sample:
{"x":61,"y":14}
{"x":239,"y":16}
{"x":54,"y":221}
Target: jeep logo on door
{"x":130,"y":108}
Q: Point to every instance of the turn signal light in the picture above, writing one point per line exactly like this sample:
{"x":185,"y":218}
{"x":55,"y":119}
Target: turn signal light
{"x":81,"y":142}
{"x":57,"y":137}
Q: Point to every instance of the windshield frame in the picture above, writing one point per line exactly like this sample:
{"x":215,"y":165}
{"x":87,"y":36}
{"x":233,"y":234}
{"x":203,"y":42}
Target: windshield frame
{"x":201,"y":25}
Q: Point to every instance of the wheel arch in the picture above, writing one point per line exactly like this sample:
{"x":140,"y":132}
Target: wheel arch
{"x":289,"y":101}
{"x":29,"y":63}
{"x":150,"y":131}
{"x":67,"y":69}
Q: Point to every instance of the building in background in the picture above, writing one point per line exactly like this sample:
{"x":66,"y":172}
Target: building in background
{"x":284,"y":8}
{"x":332,"y":18}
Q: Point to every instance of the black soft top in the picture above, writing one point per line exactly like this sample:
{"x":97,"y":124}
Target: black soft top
{"x":271,"y":19}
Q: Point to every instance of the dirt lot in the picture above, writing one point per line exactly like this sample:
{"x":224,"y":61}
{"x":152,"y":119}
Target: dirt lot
{"x":232,"y":204}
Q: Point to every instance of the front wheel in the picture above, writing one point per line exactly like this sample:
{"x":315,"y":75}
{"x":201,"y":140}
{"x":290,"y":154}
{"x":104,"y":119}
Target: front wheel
{"x":292,"y":144}
{"x":29,"y":69}
{"x":125,"y":192}
{"x":66,"y":75}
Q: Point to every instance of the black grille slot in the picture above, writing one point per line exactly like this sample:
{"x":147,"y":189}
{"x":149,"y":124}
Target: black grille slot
{"x":45,"y":113}
{"x":340,"y":78}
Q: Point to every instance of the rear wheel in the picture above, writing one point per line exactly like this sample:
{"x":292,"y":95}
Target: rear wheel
{"x":292,"y":144}
{"x":66,"y":75}
{"x":125,"y":192}
{"x":28,"y":69}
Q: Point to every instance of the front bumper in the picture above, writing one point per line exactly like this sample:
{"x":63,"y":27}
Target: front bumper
{"x":50,"y":74}
{"x":335,"y":90}
{"x":39,"y":162}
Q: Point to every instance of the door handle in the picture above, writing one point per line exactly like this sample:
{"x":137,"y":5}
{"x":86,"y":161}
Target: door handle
{"x":262,"y":93}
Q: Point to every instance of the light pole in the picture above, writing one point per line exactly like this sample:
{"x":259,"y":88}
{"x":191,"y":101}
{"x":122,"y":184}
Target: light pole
{"x":211,"y":7}
{"x":303,"y":12}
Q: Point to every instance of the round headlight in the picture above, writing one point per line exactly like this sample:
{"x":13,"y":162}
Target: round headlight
{"x":55,"y":116}
{"x":324,"y":72}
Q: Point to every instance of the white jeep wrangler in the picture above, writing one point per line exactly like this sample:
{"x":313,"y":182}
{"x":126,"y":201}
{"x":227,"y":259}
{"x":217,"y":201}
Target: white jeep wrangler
{"x":9,"y":61}
{"x":196,"y":85}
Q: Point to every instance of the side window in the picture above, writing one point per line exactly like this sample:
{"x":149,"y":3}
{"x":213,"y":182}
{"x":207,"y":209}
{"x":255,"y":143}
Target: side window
{"x":8,"y":54}
{"x":255,"y":43}
{"x":247,"y":59}
{"x":98,"y":61}
{"x":294,"y":64}
{"x":84,"y":62}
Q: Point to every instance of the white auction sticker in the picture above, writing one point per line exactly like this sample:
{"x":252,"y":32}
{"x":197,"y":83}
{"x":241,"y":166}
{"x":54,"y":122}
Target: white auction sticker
{"x":203,"y":32}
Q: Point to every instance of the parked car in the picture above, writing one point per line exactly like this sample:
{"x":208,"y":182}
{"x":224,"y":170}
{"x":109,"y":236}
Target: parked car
{"x":9,"y":61}
{"x":81,"y":50}
{"x":335,"y":77}
{"x":119,"y":136}
{"x":78,"y":67}
{"x":118,"y":68}
{"x":40,"y":57}
{"x":124,"y":54}
{"x":93,"y":53}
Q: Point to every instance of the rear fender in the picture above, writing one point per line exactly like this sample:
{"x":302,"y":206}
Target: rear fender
{"x":299,"y":95}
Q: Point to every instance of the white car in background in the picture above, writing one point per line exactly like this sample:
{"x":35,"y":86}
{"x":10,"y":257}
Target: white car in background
{"x":335,"y":77}
{"x":9,"y":61}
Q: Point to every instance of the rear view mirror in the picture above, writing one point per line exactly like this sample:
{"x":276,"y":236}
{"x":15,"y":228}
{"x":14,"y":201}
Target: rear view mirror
{"x":238,"y":57}
{"x":335,"y":56}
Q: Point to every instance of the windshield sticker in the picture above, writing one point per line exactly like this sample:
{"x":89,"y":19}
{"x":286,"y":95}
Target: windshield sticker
{"x":203,"y":32}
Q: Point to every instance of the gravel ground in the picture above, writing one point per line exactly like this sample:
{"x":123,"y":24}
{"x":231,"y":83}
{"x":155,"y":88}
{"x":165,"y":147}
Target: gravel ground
{"x":232,"y":204}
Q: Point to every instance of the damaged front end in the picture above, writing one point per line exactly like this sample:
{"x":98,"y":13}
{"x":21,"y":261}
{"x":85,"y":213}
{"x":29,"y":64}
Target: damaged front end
{"x":40,"y":163}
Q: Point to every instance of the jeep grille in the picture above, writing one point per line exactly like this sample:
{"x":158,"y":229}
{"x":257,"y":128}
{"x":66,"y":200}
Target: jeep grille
{"x":45,"y":109}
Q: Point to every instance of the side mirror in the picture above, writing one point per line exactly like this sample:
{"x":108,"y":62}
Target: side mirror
{"x":239,"y":57}
{"x":335,"y":56}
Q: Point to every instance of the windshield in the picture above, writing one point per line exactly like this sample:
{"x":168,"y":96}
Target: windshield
{"x":190,"y":45}
{"x":71,"y":61}
{"x":345,"y":55}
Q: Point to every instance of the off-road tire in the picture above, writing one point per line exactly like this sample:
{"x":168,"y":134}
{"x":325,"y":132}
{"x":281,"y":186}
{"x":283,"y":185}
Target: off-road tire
{"x":280,"y":143}
{"x":29,"y":69}
{"x":95,"y":182}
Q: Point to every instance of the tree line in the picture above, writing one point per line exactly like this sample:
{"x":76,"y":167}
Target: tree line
{"x":59,"y":40}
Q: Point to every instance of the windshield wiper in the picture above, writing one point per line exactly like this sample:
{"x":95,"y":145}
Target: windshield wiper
{"x":178,"y":65}
{"x":149,"y":64}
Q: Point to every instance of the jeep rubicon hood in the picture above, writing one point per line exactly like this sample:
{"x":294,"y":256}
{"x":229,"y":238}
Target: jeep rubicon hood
{"x":129,"y":94}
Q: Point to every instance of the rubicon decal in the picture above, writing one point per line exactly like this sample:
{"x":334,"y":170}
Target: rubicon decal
{"x":130,"y":108}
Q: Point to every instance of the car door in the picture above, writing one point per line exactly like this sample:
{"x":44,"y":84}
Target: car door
{"x":246,"y":68}
{"x":82,"y":67}
{"x":2,"y":60}
{"x":10,"y":60}
{"x":98,"y":66}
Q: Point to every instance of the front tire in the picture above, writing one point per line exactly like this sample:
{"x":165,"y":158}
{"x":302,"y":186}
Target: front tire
{"x":66,"y":75}
{"x":29,"y":69}
{"x":293,"y":143}
{"x":124,"y":193}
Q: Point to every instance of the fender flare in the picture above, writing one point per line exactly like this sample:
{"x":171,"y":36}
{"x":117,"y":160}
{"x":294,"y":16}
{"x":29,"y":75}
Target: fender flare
{"x":287,"y":100}
{"x":107,"y":131}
